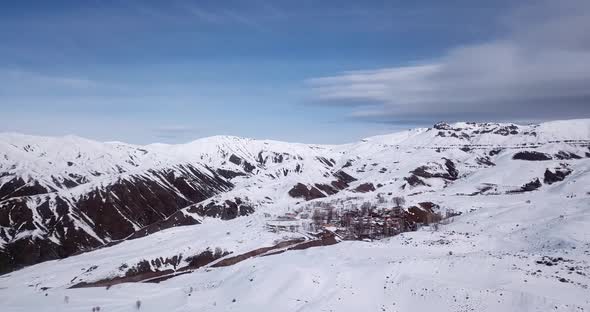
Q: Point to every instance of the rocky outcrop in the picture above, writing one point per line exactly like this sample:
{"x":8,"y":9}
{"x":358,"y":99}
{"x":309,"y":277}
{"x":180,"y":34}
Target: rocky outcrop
{"x":448,"y":171}
{"x":156,"y":270}
{"x":229,"y":209}
{"x":17,"y":187}
{"x":414,"y":180}
{"x":531,"y":156}
{"x":528,"y":187}
{"x":484,"y":161}
{"x":248,"y":167}
{"x":559,"y":175}
{"x":301,"y":190}
{"x":365,"y":188}
{"x":471,"y":129}
{"x":150,"y":201}
{"x":229,"y":174}
{"x":423,"y":213}
{"x":343,"y":177}
{"x":179,"y":218}
{"x":562,"y":155}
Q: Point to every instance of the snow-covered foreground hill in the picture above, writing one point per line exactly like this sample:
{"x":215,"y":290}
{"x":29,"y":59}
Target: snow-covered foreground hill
{"x":503,"y":254}
{"x":521,"y":243}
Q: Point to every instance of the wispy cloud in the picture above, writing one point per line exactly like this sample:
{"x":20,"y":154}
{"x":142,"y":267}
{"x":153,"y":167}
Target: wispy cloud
{"x":255,"y":15}
{"x":540,"y":69}
{"x":18,"y":82}
{"x":176,"y":132}
{"x":33,"y":78}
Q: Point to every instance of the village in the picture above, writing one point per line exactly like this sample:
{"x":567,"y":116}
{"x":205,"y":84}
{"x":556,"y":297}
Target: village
{"x":369,"y":221}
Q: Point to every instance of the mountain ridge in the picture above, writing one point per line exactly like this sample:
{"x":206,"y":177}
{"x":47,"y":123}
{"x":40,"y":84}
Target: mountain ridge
{"x":578,"y":123}
{"x":59,"y":196}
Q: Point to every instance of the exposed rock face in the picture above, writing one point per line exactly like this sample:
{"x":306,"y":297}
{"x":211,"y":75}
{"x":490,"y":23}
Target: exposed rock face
{"x":319,"y":190}
{"x":532,"y":156}
{"x":423,"y":213}
{"x":414,"y":180}
{"x":484,"y":161}
{"x":17,"y":187}
{"x":229,"y":174}
{"x":308,"y":193}
{"x":566,"y":155}
{"x":205,"y":258}
{"x":179,"y":218}
{"x":452,"y":172}
{"x":448,"y":171}
{"x":248,"y":167}
{"x":495,"y":152}
{"x":531,"y":186}
{"x":226,"y":210}
{"x":142,"y":203}
{"x":342,"y":182}
{"x":528,"y":187}
{"x":469,"y":130}
{"x":343,"y":177}
{"x":365,"y":188}
{"x":557,"y":176}
{"x":328,"y":189}
{"x":158,"y":269}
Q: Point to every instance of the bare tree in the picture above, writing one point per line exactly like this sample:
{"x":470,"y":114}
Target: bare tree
{"x":399,"y":201}
{"x":336,"y":215}
{"x":365,"y":208}
{"x":435,"y":226}
{"x":318,"y":218}
{"x":330,"y":214}
{"x":433,"y":218}
{"x":218,"y":252}
{"x":347,"y":220}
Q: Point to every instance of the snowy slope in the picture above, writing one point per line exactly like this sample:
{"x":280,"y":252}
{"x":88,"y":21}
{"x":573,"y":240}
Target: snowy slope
{"x":59,"y":196}
{"x":494,"y":257}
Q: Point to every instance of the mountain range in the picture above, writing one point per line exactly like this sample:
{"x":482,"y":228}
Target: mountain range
{"x":61,"y":196}
{"x":110,"y":210}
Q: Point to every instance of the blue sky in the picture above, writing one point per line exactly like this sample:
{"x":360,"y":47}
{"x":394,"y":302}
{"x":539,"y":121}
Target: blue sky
{"x":307,"y":71}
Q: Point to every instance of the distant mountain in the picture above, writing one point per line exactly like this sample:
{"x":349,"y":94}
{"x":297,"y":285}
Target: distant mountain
{"x":62,"y":196}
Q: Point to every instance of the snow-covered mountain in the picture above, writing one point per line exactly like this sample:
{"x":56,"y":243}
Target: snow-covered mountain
{"x":60,"y":196}
{"x":207,"y":226}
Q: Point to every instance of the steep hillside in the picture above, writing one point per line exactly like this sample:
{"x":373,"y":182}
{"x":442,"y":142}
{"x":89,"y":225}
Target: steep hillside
{"x":507,"y":251}
{"x":60,"y":196}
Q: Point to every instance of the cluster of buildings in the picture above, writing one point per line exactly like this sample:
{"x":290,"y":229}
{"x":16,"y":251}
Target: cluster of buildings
{"x":371,"y":224}
{"x":366,"y":223}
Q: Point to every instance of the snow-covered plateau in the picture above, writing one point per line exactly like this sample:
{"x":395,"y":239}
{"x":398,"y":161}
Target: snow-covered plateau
{"x":232,"y":224}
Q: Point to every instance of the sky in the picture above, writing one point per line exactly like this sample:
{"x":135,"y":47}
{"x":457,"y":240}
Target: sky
{"x":302,"y":71}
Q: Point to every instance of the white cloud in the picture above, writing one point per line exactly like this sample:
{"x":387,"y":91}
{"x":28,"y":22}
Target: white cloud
{"x":17,"y":77}
{"x":539,"y":70}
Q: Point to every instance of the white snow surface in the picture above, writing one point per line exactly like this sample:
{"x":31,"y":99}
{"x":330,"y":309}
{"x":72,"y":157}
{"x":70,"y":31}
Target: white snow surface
{"x":483,"y":260}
